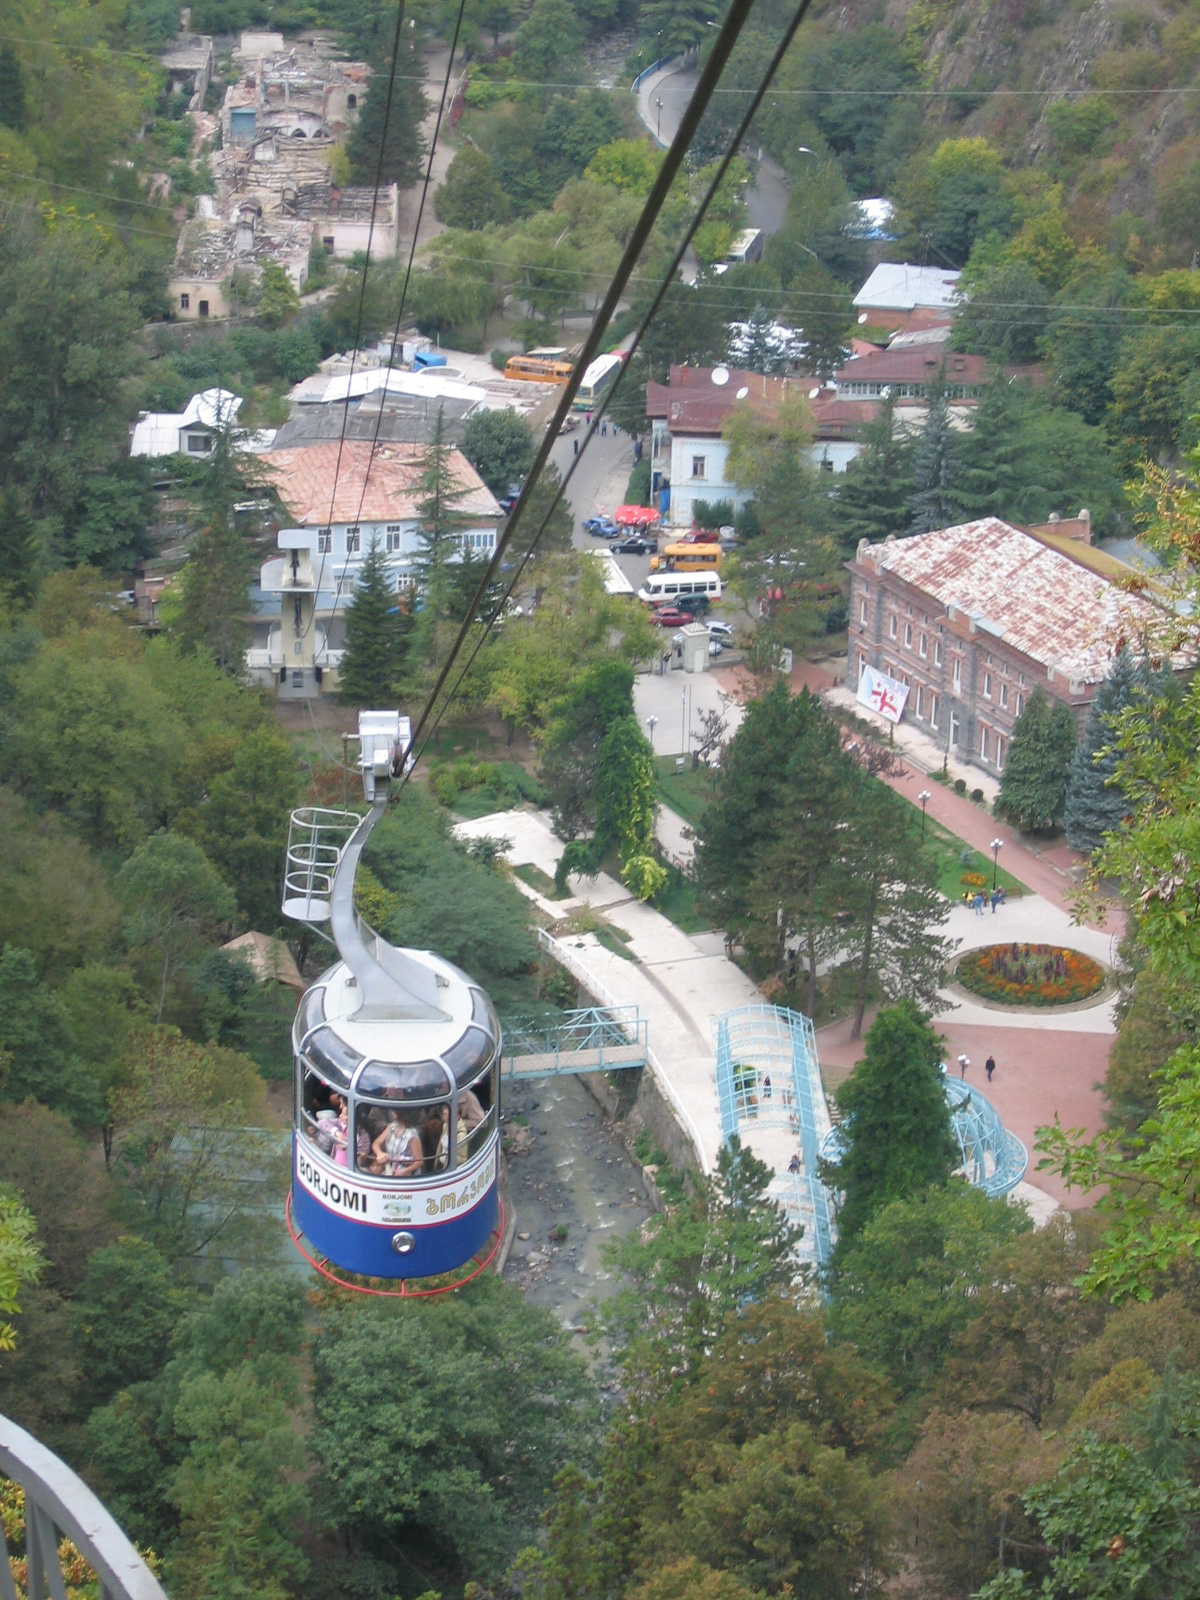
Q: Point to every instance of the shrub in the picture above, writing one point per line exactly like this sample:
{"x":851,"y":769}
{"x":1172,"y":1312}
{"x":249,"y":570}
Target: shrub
{"x":960,"y":786}
{"x":444,"y":787}
{"x":977,"y":796}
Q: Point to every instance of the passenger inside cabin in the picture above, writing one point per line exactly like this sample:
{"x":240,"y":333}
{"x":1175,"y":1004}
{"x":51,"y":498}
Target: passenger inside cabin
{"x":398,"y":1147}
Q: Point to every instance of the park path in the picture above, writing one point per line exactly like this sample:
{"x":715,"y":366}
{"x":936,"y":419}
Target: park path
{"x":1047,"y":1066}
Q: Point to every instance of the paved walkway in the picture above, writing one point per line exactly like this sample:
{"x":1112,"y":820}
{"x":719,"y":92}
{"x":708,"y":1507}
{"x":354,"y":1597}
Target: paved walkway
{"x":1046,"y":1067}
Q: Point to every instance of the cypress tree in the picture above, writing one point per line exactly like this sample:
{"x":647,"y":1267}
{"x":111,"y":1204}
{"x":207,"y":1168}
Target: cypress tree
{"x":1033,"y":789}
{"x":932,"y":504}
{"x":873,"y":494}
{"x":376,"y":637}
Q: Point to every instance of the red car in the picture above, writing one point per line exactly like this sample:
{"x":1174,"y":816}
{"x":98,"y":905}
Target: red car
{"x":669,"y":617}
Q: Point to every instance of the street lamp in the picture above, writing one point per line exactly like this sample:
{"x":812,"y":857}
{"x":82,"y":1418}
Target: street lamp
{"x":683,"y":738}
{"x":652,"y":723}
{"x":923,"y":800}
{"x":995,"y":848}
{"x":658,"y":108}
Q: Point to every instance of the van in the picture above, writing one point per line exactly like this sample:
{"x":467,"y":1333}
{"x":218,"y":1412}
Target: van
{"x":676,"y":588}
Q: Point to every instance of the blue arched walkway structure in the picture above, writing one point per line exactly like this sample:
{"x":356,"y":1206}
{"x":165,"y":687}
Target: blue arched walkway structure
{"x":769,"y":1082}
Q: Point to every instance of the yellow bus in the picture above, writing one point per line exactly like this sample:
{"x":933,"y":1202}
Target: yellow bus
{"x":687,"y":558}
{"x":537,"y":369}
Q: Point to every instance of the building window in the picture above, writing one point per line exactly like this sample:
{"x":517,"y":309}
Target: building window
{"x":1020,"y":704}
{"x":391,"y":542}
{"x":862,"y":611}
{"x":987,"y":685}
{"x":826,"y":464}
{"x":933,"y":710}
{"x":937,"y":652}
{"x":908,"y":635}
{"x":958,"y":672}
{"x":862,"y":664}
{"x":1000,"y":752}
{"x":185,"y":301}
{"x":954,"y":725}
{"x":204,"y":308}
{"x":892,"y":625}
{"x":983,"y":743}
{"x":1004,"y":695}
{"x":921,"y":647}
{"x":353,"y":541}
{"x":328,"y":241}
{"x":920,"y":701}
{"x":324,"y":541}
{"x":351,"y":102}
{"x":1021,"y":679}
{"x":199,"y":444}
{"x":698,"y":464}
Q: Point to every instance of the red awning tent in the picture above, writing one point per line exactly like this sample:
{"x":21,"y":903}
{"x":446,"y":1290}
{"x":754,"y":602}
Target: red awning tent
{"x":635,"y":516}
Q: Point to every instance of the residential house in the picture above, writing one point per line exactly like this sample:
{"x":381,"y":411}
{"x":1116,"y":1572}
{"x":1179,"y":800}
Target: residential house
{"x":896,"y":290}
{"x":688,"y":453}
{"x":973,"y":618}
{"x":191,"y":432}
{"x":909,"y":371}
{"x":212,"y":248}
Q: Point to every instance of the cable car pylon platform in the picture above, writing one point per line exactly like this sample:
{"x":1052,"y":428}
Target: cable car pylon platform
{"x":595,"y":1039}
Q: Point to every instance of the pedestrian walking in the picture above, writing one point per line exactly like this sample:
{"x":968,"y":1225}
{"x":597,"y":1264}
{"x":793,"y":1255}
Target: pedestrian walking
{"x":575,"y":442}
{"x":989,"y":1066}
{"x":963,"y":1063}
{"x":977,"y":904}
{"x":794,"y":1164}
{"x":995,"y":900}
{"x":604,"y":427}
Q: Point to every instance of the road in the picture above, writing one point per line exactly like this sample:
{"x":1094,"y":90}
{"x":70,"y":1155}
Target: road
{"x":767,"y":202}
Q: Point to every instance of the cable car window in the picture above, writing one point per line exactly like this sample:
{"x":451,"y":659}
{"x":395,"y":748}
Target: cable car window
{"x":482,"y":1013}
{"x":312,"y":1012}
{"x":391,"y":1141}
{"x":468,"y":1054}
{"x":321,"y":1108}
{"x":475,"y":1116}
{"x":332,"y":1056}
{"x":415,"y":1080}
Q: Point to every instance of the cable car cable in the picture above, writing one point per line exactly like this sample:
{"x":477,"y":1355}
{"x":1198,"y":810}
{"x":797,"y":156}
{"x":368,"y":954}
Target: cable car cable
{"x":727,"y":36}
{"x":597,"y":333}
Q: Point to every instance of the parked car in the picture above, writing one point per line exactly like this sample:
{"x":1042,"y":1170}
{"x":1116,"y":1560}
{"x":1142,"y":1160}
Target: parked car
{"x":634,"y":546}
{"x":601,"y":527}
{"x":697,"y":603}
{"x":720,"y":630}
{"x":569,"y":423}
{"x":669,"y":617}
{"x":508,"y":501}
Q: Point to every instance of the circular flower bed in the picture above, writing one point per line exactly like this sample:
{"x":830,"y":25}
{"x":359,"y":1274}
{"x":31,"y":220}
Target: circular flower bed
{"x":1030,"y":974}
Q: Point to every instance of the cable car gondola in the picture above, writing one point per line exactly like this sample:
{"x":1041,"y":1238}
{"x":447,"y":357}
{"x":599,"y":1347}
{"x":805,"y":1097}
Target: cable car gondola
{"x":395,"y":1144}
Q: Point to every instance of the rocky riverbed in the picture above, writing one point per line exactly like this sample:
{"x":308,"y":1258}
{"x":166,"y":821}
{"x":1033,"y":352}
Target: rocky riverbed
{"x":575,"y":1188}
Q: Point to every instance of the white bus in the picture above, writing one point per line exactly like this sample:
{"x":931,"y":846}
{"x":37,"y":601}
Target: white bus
{"x":673,"y":586}
{"x":599,"y":378}
{"x":615,"y":581}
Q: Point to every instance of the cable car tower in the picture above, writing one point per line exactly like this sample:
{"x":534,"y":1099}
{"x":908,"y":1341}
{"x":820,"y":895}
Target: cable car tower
{"x":396,"y":1109}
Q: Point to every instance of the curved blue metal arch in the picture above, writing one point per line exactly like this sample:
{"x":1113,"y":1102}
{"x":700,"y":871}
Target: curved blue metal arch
{"x":768,"y":1076}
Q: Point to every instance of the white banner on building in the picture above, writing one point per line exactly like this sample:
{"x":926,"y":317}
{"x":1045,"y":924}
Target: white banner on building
{"x":882,"y":694}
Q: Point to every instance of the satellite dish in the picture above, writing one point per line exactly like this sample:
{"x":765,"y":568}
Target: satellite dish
{"x":813,"y":393}
{"x":862,"y":317}
{"x":742,"y":392}
{"x":720,"y":376}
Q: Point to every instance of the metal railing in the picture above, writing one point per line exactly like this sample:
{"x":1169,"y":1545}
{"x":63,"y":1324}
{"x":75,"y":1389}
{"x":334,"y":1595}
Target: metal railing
{"x":594,"y":1039}
{"x":59,"y":1505}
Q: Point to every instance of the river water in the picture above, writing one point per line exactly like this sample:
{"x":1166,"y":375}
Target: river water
{"x":575,"y":1189}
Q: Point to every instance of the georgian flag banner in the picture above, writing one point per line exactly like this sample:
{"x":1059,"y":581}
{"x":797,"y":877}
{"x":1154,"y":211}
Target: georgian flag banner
{"x":882,"y":694}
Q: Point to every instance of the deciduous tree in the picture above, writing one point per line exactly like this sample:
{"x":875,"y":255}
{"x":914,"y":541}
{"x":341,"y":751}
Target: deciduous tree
{"x":1033,"y":787}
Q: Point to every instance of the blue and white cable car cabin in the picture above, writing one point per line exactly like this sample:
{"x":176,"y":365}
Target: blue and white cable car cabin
{"x":397,"y":1059}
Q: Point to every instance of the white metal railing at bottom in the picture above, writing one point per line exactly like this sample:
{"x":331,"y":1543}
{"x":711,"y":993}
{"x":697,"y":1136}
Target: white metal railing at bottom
{"x":59,"y":1505}
{"x":556,"y":948}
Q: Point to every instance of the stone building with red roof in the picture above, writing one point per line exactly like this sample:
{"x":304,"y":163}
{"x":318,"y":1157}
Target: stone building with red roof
{"x":973,"y":618}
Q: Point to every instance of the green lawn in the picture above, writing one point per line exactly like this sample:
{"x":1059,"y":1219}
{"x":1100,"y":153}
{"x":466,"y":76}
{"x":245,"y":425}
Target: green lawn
{"x":539,"y":880}
{"x":613,"y":939}
{"x":681,"y":903}
{"x":951,"y":865}
{"x":685,"y":791}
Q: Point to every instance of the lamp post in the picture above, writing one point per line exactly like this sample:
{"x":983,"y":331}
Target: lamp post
{"x":658,"y":108}
{"x":652,"y":723}
{"x":923,"y":800}
{"x":995,"y":848}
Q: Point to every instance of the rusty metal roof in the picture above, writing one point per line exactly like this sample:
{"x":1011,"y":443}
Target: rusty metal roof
{"x":1004,"y":582}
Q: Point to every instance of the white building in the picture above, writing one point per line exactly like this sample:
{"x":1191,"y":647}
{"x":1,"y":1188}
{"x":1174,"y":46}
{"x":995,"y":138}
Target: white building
{"x":190,"y":432}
